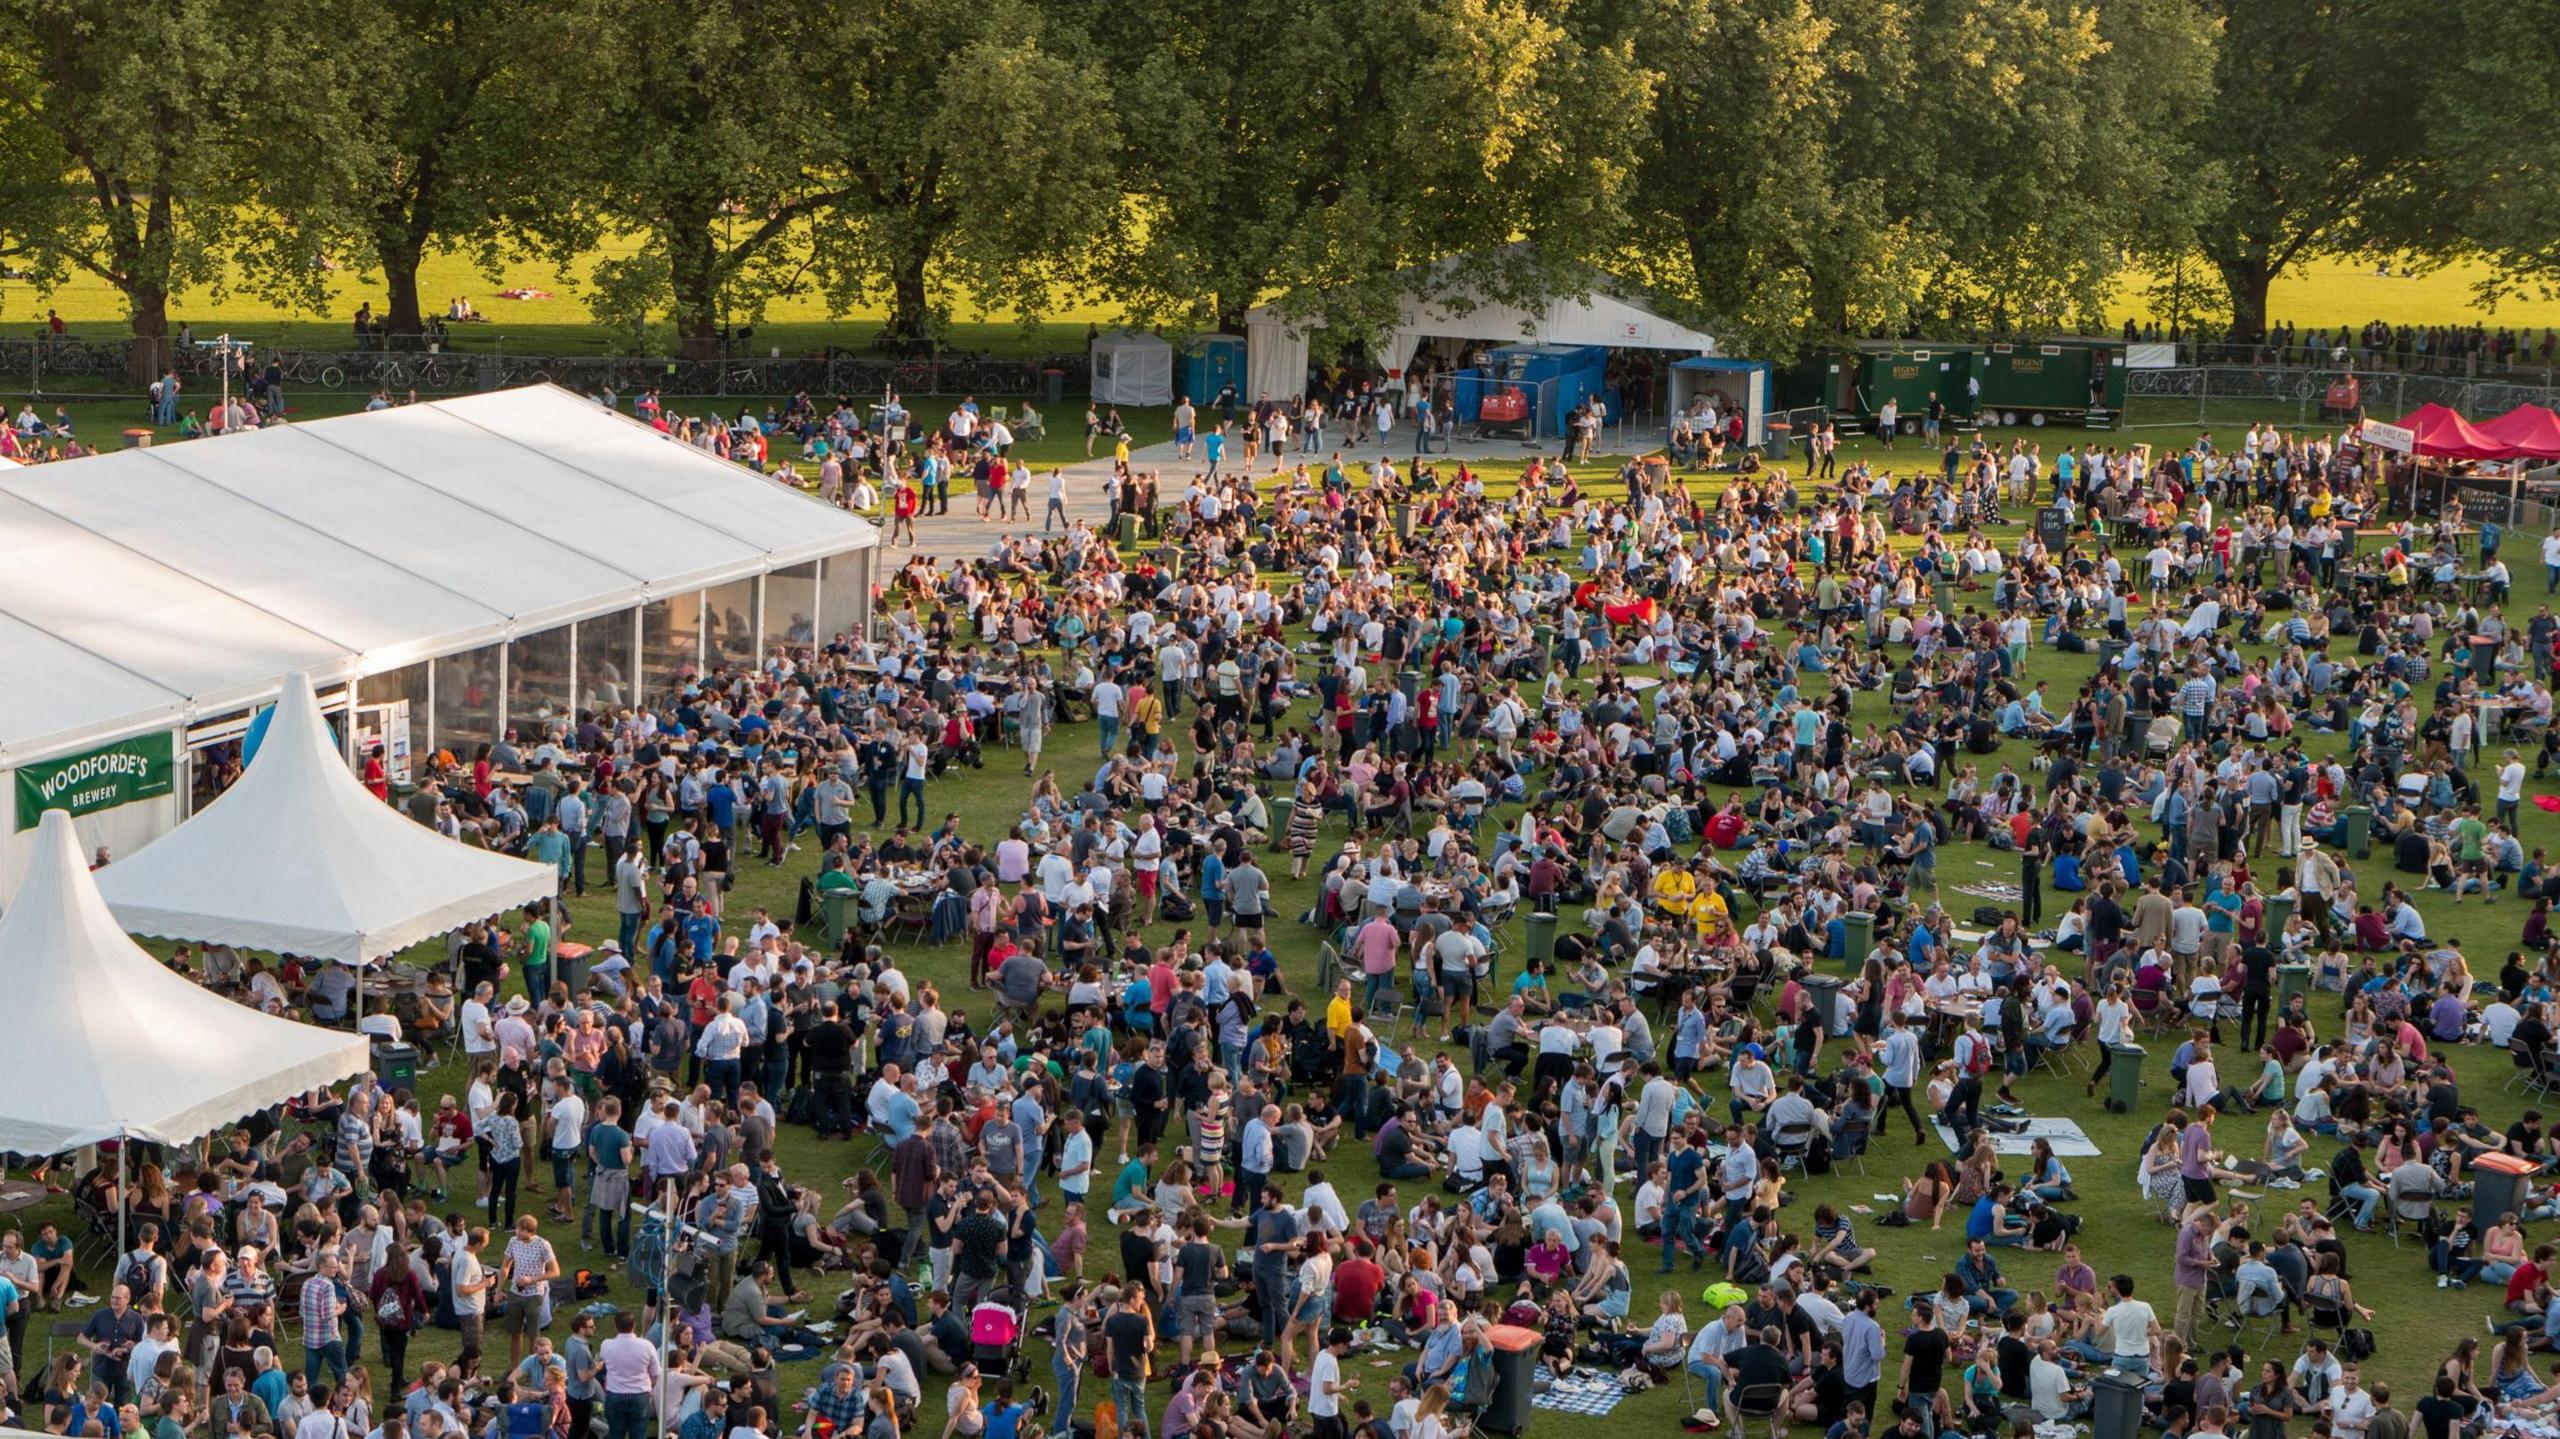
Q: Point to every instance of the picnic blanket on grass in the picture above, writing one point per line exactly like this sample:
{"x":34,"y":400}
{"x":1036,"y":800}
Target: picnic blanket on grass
{"x":2069,"y":1140}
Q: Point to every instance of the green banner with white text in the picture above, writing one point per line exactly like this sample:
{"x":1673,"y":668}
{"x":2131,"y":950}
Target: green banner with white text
{"x":139,"y":768}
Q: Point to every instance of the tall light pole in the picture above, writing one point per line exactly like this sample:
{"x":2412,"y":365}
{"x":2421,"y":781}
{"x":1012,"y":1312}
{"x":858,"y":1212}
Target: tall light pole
{"x":227,"y":345}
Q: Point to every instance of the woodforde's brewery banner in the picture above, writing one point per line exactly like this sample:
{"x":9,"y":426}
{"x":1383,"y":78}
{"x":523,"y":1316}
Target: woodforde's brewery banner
{"x":142,"y":767}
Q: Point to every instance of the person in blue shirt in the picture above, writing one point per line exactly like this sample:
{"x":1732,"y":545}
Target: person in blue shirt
{"x":1213,"y":889}
{"x":1688,"y":1165}
{"x":1991,"y":1220}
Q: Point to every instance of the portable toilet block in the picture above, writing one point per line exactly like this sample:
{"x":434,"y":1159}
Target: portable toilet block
{"x":1210,"y":363}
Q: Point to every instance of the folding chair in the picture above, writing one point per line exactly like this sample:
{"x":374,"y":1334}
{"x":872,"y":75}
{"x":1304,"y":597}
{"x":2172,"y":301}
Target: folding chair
{"x":2406,"y":1211}
{"x":1792,"y":1142}
{"x":2525,"y":1069}
{"x":1844,"y":1152}
{"x":2546,"y":1073}
{"x":1760,"y":1401}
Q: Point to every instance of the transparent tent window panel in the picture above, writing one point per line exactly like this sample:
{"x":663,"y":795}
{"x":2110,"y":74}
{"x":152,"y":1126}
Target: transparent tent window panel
{"x":605,"y":669}
{"x":406,"y":683}
{"x":467,"y":700}
{"x":670,"y":643}
{"x":791,"y":607}
{"x":729,"y":616}
{"x":538,"y":676}
{"x":844,"y":597}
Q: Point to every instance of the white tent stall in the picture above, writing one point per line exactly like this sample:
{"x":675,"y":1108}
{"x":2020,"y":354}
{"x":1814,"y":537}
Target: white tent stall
{"x":128,"y":1048}
{"x":298,"y":857}
{"x":1276,"y":345}
{"x":1131,"y":367}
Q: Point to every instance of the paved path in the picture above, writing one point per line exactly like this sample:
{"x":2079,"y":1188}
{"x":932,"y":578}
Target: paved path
{"x":961,"y":535}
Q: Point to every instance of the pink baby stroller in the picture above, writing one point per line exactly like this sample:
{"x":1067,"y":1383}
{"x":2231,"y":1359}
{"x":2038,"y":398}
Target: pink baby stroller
{"x":995,"y":1334}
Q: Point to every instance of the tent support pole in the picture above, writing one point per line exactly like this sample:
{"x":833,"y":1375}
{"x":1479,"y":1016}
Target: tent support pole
{"x":123,"y":1208}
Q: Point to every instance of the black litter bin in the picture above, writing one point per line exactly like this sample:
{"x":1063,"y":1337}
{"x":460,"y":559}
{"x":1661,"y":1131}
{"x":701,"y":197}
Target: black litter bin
{"x":395,"y":1066}
{"x":2115,"y":1405}
{"x":1825,"y":989}
{"x":1053,"y":385}
{"x":1515,"y":1367}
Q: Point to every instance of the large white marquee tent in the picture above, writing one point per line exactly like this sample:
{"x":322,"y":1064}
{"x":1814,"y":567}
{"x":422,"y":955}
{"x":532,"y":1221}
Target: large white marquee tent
{"x":298,"y":857}
{"x":1276,"y":345}
{"x":442,"y":572}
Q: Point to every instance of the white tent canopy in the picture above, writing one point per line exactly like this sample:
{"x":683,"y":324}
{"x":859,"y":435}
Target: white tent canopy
{"x":299,"y":857}
{"x":1131,"y":367}
{"x":147,"y":588}
{"x":117,"y":1045}
{"x":1276,"y":346}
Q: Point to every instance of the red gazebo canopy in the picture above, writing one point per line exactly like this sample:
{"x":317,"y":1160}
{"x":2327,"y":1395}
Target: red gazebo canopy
{"x":2442,"y":434}
{"x":2527,"y":432}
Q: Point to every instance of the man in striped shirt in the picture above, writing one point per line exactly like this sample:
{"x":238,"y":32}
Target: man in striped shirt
{"x":2195,"y":701}
{"x":321,"y":1308}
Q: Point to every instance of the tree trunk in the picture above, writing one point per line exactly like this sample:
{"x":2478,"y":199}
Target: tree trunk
{"x":147,"y":356}
{"x":910,"y":306}
{"x":2246,"y":278}
{"x":400,"y":253}
{"x":693,"y":274}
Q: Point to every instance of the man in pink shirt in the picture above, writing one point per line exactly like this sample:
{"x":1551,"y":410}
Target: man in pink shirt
{"x":1378,"y":942}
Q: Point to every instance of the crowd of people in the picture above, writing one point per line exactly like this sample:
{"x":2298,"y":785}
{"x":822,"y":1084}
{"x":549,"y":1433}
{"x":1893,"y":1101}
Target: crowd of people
{"x":1645,"y":709}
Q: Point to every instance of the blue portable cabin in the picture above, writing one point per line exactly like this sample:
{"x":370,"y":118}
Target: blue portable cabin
{"x":1558,"y":378}
{"x":1726,"y":384}
{"x":1210,"y":363}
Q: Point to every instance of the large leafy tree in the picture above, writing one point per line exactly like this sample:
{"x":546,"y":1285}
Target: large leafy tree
{"x":452,"y":137}
{"x":705,"y":144}
{"x":2479,"y":185}
{"x":140,"y":137}
{"x":981,"y":163}
{"x":764,"y":150}
{"x":2307,"y":159}
{"x":1817,"y":168}
{"x":1340,"y":154}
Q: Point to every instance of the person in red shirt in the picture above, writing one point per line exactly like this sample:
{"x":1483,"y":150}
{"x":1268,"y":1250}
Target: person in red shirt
{"x":2528,"y":1278}
{"x":1356,"y":1284}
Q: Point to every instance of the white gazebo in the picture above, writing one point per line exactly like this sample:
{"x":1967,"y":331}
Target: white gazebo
{"x":298,"y":857}
{"x":1276,"y":344}
{"x":1132,"y":367}
{"x":115,"y":1045}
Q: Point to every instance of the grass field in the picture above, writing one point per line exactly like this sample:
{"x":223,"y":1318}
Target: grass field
{"x":2321,"y":293}
{"x":2418,"y":1322}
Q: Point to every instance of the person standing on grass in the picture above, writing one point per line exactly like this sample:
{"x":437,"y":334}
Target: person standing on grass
{"x":1128,"y":1336}
{"x":526,"y":1273}
{"x":631,"y":1378}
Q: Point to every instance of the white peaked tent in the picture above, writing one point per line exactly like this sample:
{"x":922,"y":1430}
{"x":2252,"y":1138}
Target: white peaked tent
{"x":1276,"y":346}
{"x":116,"y":1045}
{"x":1131,"y":367}
{"x":299,"y":857}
